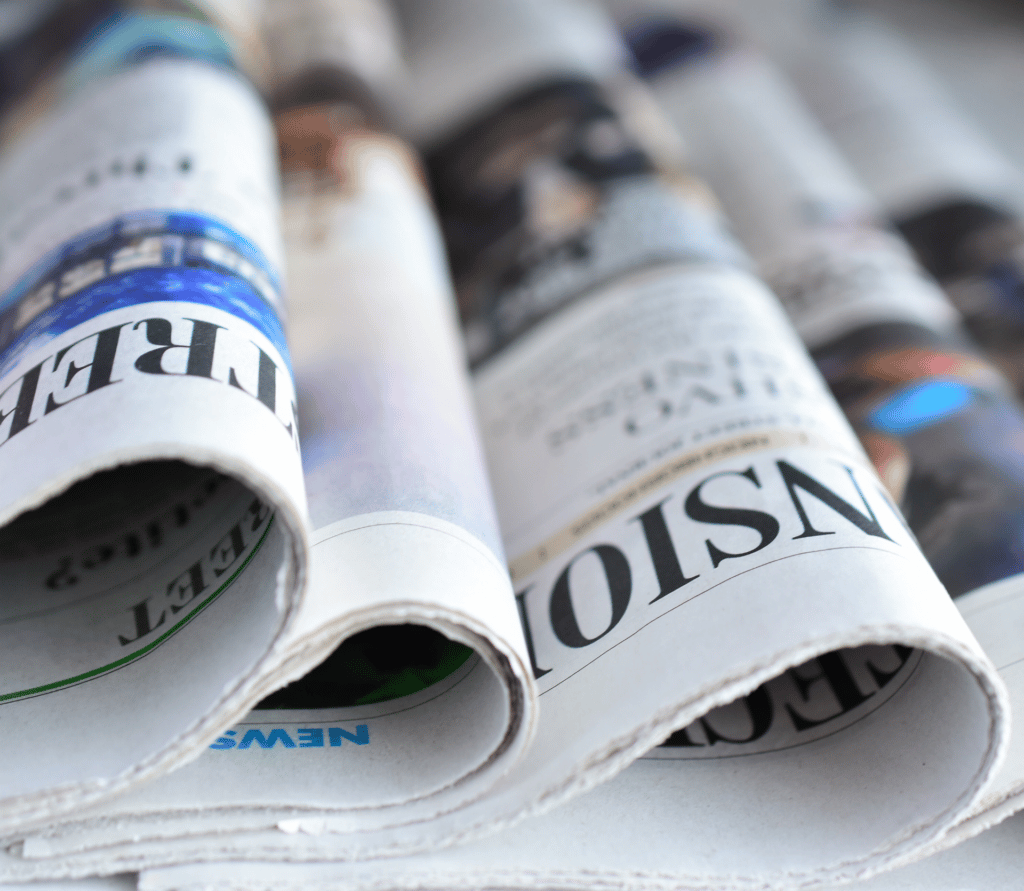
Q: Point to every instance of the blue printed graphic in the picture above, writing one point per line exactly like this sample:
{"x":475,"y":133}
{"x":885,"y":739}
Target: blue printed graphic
{"x":127,"y":39}
{"x":309,"y":738}
{"x":661,"y":44}
{"x":920,"y":406}
{"x":1007,"y":286}
{"x":139,"y":258}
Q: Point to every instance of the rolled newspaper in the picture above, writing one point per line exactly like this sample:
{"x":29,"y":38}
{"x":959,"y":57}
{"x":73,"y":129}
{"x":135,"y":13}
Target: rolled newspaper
{"x":937,"y":418}
{"x":691,"y":525}
{"x":429,"y":698}
{"x":154,"y":543}
{"x":952,"y":192}
{"x":992,"y":861}
{"x":627,"y":375}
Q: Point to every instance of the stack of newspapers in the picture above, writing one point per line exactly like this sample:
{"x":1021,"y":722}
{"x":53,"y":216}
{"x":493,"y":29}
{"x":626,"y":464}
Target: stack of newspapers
{"x":489,"y":445}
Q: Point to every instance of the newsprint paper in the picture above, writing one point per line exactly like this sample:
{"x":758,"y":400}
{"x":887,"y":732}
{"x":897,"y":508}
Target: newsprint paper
{"x":883,"y":334}
{"x":991,"y":861}
{"x":698,"y":548}
{"x":159,"y":538}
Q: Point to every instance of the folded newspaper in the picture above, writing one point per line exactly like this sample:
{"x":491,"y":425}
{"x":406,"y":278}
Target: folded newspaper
{"x":990,"y":862}
{"x":160,"y":528}
{"x":699,"y":548}
{"x":957,"y":465}
{"x":887,"y":340}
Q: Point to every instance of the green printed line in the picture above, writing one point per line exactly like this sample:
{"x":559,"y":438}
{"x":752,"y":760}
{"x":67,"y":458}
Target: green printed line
{"x":138,"y":654}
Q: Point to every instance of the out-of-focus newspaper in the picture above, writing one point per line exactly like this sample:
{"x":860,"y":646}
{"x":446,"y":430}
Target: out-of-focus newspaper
{"x":700,"y":549}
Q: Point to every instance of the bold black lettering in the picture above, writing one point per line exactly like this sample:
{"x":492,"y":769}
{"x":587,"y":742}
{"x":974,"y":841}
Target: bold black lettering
{"x":101,"y":367}
{"x":883,"y":677}
{"x":143,"y":625}
{"x":260,"y":512}
{"x":663,"y":554}
{"x":759,"y":707}
{"x":795,"y":479}
{"x":22,"y":410}
{"x":681,"y":739}
{"x":62,"y":577}
{"x":835,"y":674}
{"x":528,"y":633}
{"x":620,"y":586}
{"x":187,"y":586}
{"x":764,"y":524}
{"x":200,"y":348}
{"x":266,"y":383}
{"x":227,"y":550}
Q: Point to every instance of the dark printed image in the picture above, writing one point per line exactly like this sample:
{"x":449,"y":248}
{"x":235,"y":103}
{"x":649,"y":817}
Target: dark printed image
{"x":83,"y":38}
{"x":947,"y":439}
{"x":977,"y":252}
{"x":142,"y":256}
{"x":549,"y":197}
{"x":139,"y":258}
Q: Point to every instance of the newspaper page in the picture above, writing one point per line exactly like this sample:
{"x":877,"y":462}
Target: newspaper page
{"x":937,"y":419}
{"x":636,"y":548}
{"x":105,"y":883}
{"x":571,"y":854}
{"x":886,"y":109}
{"x":617,"y":836}
{"x":154,"y":534}
{"x":953,"y":194}
{"x":429,"y":699}
{"x":391,"y":451}
{"x":732,"y":547}
{"x":983,"y":282}
{"x":931,"y":137}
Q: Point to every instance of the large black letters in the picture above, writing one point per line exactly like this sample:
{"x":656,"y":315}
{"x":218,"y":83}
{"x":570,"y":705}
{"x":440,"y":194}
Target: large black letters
{"x":759,"y":709}
{"x":835,"y":674}
{"x":795,"y":479}
{"x":100,"y":369}
{"x":764,"y":524}
{"x":266,"y":383}
{"x":528,"y":633}
{"x":200,"y":348}
{"x":21,"y":414}
{"x":663,"y":554}
{"x":143,"y":623}
{"x":620,"y":585}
